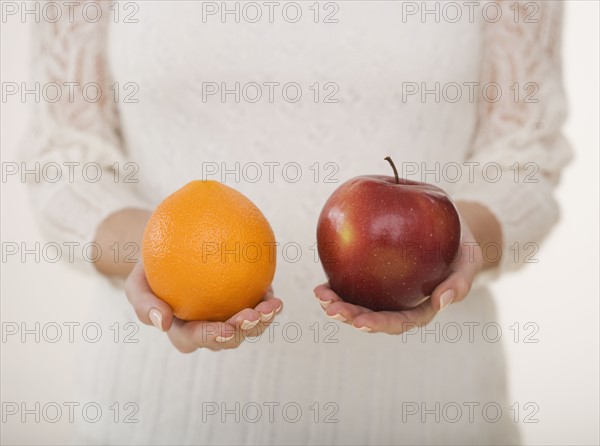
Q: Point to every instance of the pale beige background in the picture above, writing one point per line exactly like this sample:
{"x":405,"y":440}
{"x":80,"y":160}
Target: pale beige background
{"x":560,"y":293}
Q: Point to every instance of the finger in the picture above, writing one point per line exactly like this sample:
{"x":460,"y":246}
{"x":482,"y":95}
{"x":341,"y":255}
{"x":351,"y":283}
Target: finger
{"x":326,"y":295}
{"x":268,"y":307}
{"x":245,"y":319}
{"x":344,"y":311}
{"x":182,"y":342}
{"x":227,"y":337}
{"x":248,"y":318}
{"x":149,"y":309}
{"x":189,"y":336}
{"x":458,"y":284}
{"x":260,"y":328}
{"x":395,"y":322}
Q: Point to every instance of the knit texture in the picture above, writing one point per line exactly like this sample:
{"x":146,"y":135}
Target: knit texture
{"x":362,"y":384}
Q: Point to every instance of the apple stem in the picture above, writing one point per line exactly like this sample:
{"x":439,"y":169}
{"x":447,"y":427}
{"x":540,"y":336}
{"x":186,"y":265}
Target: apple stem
{"x":389,"y":160}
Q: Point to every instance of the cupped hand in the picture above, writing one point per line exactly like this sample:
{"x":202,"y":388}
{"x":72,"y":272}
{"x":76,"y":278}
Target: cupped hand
{"x":454,"y":289}
{"x":188,"y":336}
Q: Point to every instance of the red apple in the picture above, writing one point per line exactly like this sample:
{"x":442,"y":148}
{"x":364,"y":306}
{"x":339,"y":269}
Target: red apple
{"x":385,"y":242}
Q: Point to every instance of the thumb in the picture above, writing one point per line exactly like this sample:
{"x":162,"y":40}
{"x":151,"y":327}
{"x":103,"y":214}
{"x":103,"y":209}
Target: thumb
{"x":149,"y":309}
{"x":458,"y":284}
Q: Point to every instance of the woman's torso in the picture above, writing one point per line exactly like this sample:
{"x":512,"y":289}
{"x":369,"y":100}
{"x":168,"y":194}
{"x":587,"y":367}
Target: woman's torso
{"x":303,"y":150}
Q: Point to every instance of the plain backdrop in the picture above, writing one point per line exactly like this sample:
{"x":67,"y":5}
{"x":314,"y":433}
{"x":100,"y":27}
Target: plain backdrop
{"x":559,"y":294}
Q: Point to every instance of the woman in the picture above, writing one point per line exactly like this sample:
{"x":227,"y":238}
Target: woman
{"x":363,"y":69}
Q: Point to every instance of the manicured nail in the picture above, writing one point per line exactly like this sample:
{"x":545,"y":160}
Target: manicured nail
{"x":156,"y":317}
{"x":364,"y":328}
{"x":324,"y":303}
{"x":446,"y":298}
{"x":338,"y":317}
{"x":278,"y":309}
{"x":266,"y":317}
{"x":222,"y":339}
{"x":247,"y":325}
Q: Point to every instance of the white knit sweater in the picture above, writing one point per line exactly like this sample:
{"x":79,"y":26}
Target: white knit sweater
{"x":367,"y":66}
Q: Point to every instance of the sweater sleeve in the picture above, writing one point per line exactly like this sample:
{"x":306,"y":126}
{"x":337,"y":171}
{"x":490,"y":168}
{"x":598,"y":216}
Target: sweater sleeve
{"x":77,"y":132}
{"x":518,"y":150}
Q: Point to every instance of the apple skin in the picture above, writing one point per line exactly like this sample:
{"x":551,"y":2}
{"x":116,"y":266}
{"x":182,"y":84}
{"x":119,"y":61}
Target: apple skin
{"x":386,"y":245}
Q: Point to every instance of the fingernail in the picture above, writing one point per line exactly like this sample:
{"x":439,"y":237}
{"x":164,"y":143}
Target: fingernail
{"x":324,"y":303}
{"x":338,"y":317}
{"x":266,"y":317}
{"x":247,"y":325}
{"x":222,"y":339}
{"x":364,"y":328}
{"x":278,"y":309}
{"x":156,"y":317}
{"x":446,"y":298}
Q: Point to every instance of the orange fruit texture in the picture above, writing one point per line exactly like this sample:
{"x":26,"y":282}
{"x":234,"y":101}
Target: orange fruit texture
{"x":208,"y":252}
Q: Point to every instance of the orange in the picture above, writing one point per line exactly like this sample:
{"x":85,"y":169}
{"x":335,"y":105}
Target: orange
{"x":208,"y":252}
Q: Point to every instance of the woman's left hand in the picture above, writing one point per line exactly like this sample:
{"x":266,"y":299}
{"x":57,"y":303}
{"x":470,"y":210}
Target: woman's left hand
{"x":454,"y":289}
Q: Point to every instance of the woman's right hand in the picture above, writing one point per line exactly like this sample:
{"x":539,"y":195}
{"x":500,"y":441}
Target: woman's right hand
{"x":189,"y":336}
{"x":125,"y":227}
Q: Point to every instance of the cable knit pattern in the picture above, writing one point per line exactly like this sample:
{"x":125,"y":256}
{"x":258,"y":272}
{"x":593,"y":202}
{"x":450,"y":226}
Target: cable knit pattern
{"x":363,"y":382}
{"x":524,"y":131}
{"x":76,"y":130}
